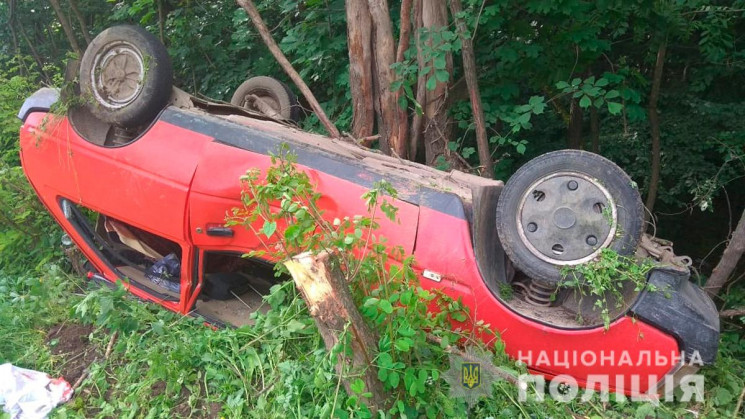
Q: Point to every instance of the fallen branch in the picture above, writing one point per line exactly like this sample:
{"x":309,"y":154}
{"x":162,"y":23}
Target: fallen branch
{"x":266,"y":36}
{"x":87,"y":370}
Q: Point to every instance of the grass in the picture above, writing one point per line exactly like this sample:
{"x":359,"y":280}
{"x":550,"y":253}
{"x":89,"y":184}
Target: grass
{"x":165,"y":365}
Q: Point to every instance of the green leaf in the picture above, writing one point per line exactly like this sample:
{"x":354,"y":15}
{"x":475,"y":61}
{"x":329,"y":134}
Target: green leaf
{"x":440,"y":62}
{"x":294,"y":326}
{"x":394,"y":378}
{"x":357,"y":386}
{"x":612,"y":94}
{"x":562,"y":85}
{"x":269,"y":228}
{"x":585,"y":102}
{"x":442,"y":76}
{"x":385,"y":306}
{"x":403,"y":344}
{"x":614,"y":108}
{"x":520,"y":148}
{"x":431,"y":83}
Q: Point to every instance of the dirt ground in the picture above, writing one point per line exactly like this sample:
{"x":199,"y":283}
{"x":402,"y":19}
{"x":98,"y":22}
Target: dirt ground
{"x":73,"y":346}
{"x":70,"y":342}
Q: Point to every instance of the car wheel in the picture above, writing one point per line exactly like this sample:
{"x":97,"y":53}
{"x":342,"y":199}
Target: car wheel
{"x":271,"y":91}
{"x":562,"y":208}
{"x":126,"y":76}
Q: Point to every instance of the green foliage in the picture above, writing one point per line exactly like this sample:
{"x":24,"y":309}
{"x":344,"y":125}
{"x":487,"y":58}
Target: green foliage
{"x":605,"y":277}
{"x":281,"y":205}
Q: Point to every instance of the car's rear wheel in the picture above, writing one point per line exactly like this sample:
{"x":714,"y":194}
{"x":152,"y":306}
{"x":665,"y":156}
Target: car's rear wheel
{"x":271,"y":92}
{"x":126,"y":76}
{"x":562,"y":208}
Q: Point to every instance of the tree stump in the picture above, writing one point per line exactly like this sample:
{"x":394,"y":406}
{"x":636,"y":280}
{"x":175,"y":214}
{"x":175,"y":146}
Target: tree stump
{"x":330,"y":303}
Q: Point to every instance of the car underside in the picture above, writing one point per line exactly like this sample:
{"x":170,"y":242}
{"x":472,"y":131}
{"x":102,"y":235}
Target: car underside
{"x":146,"y":204}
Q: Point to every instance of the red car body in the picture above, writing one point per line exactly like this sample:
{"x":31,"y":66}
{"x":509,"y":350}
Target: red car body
{"x":180,"y":177}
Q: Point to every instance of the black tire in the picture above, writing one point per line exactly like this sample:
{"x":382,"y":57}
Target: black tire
{"x":126,"y":76}
{"x":561,"y":208}
{"x":277,"y":95}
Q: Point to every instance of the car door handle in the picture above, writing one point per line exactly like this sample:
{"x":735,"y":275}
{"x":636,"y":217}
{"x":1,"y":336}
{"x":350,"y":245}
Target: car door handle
{"x":220,"y":231}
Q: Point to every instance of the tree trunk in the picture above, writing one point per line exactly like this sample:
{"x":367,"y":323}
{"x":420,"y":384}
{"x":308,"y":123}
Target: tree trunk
{"x":161,"y":22}
{"x":266,"y":36}
{"x":394,"y":120}
{"x":574,"y":130}
{"x":359,"y":28}
{"x":81,"y":21}
{"x":731,"y":256}
{"x":67,"y":28}
{"x":404,"y":33}
{"x":330,"y":303}
{"x":469,"y":69}
{"x":35,"y":54}
{"x":421,"y":92}
{"x":654,"y":126}
{"x":595,"y":129}
{"x":437,"y":127}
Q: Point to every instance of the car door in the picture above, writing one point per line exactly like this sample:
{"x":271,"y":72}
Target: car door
{"x":216,"y":189}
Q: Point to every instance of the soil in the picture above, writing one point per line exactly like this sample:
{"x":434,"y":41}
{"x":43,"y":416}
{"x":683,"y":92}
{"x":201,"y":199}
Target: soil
{"x":73,"y":345}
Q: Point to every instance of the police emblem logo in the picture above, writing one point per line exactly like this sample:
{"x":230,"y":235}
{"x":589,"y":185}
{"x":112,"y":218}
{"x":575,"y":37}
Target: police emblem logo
{"x":470,"y":375}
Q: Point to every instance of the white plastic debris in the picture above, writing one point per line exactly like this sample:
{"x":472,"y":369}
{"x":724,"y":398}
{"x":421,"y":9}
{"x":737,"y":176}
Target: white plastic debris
{"x":28,"y":394}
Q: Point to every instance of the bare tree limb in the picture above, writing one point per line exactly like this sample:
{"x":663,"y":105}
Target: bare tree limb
{"x":654,"y":125}
{"x":266,"y":36}
{"x":727,"y":264}
{"x":67,"y":28}
{"x":81,"y":20}
{"x":469,"y":69}
{"x":735,"y":312}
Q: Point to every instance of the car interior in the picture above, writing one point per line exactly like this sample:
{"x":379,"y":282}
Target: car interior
{"x":233,"y":286}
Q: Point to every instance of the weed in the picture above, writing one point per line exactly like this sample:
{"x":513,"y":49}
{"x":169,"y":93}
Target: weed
{"x":604,"y":278}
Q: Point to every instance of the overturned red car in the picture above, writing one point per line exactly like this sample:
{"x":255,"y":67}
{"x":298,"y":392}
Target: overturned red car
{"x":141,"y":176}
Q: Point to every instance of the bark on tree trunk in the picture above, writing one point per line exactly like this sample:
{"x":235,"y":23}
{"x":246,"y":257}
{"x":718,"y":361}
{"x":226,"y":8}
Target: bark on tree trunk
{"x":421,"y":92}
{"x":258,"y":22}
{"x":575,"y":125}
{"x":595,"y":129}
{"x":436,"y":121}
{"x":81,"y":21}
{"x":67,"y":28}
{"x":359,"y":27}
{"x":731,"y":256}
{"x":161,"y":22}
{"x":654,"y":125}
{"x":394,"y":121}
{"x":469,"y":69}
{"x":404,"y":33}
{"x":330,"y":303}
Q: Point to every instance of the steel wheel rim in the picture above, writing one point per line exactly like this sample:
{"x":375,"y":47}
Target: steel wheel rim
{"x":118,"y":75}
{"x":578,"y":219}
